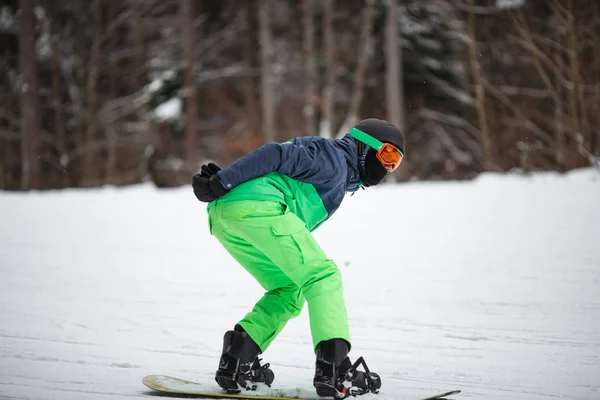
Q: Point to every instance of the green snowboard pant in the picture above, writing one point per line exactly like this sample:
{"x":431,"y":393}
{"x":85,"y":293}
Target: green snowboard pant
{"x":275,"y":247}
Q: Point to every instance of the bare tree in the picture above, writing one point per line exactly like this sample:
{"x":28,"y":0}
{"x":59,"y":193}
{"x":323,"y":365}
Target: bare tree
{"x":250,"y":61}
{"x":59,"y":122}
{"x":394,"y":88}
{"x":556,"y":62}
{"x":266,"y":53}
{"x":111,"y":135}
{"x":477,"y":75}
{"x":310,"y":67}
{"x":327,"y":124}
{"x":394,"y":84}
{"x":557,"y":89}
{"x":359,"y":75}
{"x":92,"y":96}
{"x":595,"y":21}
{"x":30,"y":113}
{"x":577,"y":88}
{"x":188,"y":41}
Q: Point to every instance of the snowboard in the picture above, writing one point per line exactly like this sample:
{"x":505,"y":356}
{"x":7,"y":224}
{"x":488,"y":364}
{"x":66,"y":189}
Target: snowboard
{"x":171,"y":386}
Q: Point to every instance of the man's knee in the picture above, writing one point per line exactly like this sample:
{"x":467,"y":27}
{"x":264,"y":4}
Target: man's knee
{"x":293,"y":299}
{"x":327,"y":280}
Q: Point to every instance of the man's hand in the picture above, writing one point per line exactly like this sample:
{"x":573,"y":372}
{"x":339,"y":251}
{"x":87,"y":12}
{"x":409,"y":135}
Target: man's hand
{"x":207,"y":185}
{"x":209,"y":170}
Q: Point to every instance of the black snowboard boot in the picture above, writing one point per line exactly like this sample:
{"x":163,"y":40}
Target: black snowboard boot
{"x":239,"y":366}
{"x":336,"y":376}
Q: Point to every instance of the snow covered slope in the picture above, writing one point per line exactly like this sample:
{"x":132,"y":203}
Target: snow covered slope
{"x":490,"y":286}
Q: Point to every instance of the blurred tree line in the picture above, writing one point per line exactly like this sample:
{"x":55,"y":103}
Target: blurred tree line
{"x":117,"y":92}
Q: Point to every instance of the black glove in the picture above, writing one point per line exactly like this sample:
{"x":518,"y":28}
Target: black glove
{"x":207,"y":189}
{"x":209,"y":170}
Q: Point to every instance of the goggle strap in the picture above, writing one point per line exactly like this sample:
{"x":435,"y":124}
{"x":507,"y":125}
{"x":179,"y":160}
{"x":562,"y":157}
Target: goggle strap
{"x":368,"y":139}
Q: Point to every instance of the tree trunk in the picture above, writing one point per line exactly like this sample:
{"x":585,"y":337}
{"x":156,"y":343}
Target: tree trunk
{"x":30,"y":110}
{"x":479,"y":92}
{"x":559,"y":119}
{"x":59,"y":122}
{"x":266,"y":52}
{"x":394,"y":78}
{"x":525,"y":31}
{"x":191,"y":94}
{"x":110,"y":171}
{"x":394,"y":84}
{"x":310,"y":68}
{"x":140,"y":78}
{"x":327,"y":125}
{"x":359,"y":75}
{"x":577,"y":101}
{"x":89,"y":175}
{"x":595,"y":145}
{"x":573,"y":65}
{"x":251,"y":62}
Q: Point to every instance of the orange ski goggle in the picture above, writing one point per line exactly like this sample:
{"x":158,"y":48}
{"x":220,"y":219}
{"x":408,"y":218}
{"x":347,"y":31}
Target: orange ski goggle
{"x":390,"y":156}
{"x":387,"y":154}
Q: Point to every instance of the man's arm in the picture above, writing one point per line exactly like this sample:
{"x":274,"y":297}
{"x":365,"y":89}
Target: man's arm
{"x":294,"y":160}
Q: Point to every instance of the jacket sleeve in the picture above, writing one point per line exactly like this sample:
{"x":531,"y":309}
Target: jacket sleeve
{"x":304,"y":160}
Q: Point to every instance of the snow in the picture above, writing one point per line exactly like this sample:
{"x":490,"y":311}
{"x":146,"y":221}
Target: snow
{"x":504,"y":4}
{"x":43,"y":44}
{"x":156,"y":85}
{"x":490,"y":286}
{"x":7,"y":20}
{"x":159,"y":82}
{"x":431,"y":63}
{"x":170,"y":110}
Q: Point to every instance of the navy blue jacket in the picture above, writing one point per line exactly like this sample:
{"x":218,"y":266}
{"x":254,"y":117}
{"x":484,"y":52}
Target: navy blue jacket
{"x":305,"y":165}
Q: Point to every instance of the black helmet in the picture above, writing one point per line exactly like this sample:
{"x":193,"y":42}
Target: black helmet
{"x":380,"y":130}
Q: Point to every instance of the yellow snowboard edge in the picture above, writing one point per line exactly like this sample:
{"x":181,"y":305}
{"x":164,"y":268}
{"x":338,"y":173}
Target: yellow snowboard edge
{"x":154,"y":382}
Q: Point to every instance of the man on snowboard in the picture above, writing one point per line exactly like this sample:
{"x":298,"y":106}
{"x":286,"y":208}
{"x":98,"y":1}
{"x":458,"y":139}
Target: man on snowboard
{"x":262,"y":210}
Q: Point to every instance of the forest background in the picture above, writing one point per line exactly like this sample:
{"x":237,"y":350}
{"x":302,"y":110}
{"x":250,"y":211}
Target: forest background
{"x":120,"y":92}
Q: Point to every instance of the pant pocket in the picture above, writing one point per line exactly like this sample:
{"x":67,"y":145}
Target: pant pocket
{"x":289,"y":224}
{"x":291,"y":229}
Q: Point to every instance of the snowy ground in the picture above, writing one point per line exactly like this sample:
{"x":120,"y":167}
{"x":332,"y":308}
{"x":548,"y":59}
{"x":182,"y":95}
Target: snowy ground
{"x":491,"y":287}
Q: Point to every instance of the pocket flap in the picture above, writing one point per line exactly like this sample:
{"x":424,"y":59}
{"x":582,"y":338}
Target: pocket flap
{"x":288,"y":225}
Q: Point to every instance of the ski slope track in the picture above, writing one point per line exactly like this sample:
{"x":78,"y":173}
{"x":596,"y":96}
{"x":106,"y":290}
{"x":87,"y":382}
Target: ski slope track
{"x":490,"y":286}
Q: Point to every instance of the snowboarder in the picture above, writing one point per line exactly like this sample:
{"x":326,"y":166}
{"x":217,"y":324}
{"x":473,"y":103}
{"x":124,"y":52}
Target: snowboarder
{"x":262,"y":209}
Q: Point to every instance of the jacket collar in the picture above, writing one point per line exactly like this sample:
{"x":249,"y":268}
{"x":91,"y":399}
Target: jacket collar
{"x":350,"y":148}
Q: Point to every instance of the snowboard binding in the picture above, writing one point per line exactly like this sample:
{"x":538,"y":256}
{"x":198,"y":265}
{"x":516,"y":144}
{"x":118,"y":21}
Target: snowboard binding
{"x":239,"y":366}
{"x":352,"y":383}
{"x":357,"y":382}
{"x":336,"y":376}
